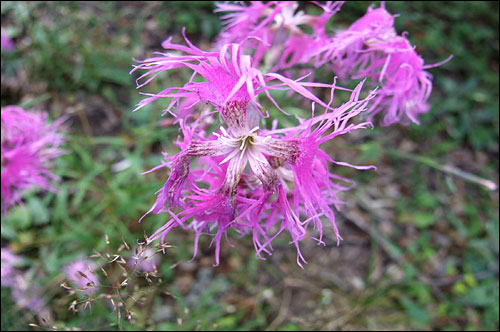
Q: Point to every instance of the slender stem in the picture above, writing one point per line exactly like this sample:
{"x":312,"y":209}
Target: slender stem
{"x":490,"y":185}
{"x":85,"y":122}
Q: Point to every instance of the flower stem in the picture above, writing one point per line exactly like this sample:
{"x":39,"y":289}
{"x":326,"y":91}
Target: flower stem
{"x":490,"y":185}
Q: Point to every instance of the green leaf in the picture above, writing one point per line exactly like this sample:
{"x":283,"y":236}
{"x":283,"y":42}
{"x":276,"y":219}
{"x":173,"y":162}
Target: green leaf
{"x":115,"y":75}
{"x":38,"y":212}
{"x":418,"y":314}
{"x":479,"y":297}
{"x":18,"y":218}
{"x":423,"y":219}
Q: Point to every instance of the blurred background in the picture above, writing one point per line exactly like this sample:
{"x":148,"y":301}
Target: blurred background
{"x":421,"y":237}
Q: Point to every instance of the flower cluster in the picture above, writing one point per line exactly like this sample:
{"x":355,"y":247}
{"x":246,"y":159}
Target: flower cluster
{"x":242,"y":178}
{"x":248,"y":179}
{"x":369,"y":48}
{"x":28,"y":144}
{"x":231,"y":78}
{"x":274,"y":31}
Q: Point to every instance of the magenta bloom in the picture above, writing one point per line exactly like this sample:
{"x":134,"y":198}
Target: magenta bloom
{"x":6,"y":43}
{"x":371,"y":48}
{"x":81,"y":273}
{"x":406,"y":86}
{"x":231,"y":79}
{"x":28,"y":144}
{"x":241,"y":177}
{"x":352,"y":48}
{"x":273,"y":31}
{"x":254,"y":181}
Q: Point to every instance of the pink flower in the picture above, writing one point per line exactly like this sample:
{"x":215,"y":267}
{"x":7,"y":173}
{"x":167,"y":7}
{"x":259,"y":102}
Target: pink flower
{"x":26,"y":295}
{"x":28,"y":144}
{"x":9,"y":267}
{"x":405,"y":85}
{"x":6,"y":43}
{"x":144,"y":259}
{"x":352,"y":48}
{"x":23,"y":291}
{"x":81,"y":273}
{"x":273,"y":31}
{"x":231,"y":78}
{"x":254,"y":181}
{"x":371,"y":48}
{"x":240,"y":20}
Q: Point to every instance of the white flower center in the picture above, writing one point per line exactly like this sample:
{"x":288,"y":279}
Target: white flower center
{"x":242,"y":144}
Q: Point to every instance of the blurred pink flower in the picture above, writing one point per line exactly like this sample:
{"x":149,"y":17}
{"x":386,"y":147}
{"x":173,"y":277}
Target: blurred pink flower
{"x":28,"y":144}
{"x":81,"y":273}
{"x":144,"y":259}
{"x":9,"y":264}
{"x":6,"y":43}
{"x":23,"y":291}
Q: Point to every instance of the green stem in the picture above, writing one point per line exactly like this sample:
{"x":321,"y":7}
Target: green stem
{"x":490,"y":185}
